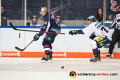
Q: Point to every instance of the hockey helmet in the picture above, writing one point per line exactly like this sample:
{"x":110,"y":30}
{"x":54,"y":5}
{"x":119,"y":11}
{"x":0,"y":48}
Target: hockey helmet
{"x":43,"y":9}
{"x":34,"y":16}
{"x":58,"y":17}
{"x":91,"y":18}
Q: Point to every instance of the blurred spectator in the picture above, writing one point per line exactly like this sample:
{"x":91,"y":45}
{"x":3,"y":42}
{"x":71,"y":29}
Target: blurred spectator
{"x":58,"y":19}
{"x":3,"y":18}
{"x":99,"y":15}
{"x":34,"y":21}
{"x":19,"y":14}
{"x":8,"y":12}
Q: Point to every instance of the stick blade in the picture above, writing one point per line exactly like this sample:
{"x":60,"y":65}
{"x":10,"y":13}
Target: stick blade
{"x":18,"y":48}
{"x":12,"y":25}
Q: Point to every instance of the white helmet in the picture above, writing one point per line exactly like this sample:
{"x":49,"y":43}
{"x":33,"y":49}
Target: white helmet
{"x":43,"y":9}
{"x":91,"y":18}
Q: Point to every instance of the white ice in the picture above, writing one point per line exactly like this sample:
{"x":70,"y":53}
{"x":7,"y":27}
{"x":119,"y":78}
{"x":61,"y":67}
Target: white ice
{"x":33,"y":69}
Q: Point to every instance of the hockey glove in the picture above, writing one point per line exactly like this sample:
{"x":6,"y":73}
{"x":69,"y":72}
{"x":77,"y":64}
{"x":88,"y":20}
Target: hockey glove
{"x":36,"y":37}
{"x":73,"y":32}
{"x":92,"y":36}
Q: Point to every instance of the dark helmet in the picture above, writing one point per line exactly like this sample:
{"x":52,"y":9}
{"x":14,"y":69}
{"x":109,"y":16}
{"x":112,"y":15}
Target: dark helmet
{"x":34,"y":16}
{"x":58,"y":17}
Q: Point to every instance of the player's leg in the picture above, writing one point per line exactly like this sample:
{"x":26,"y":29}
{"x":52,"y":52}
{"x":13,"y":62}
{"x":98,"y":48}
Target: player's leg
{"x":50,"y":50}
{"x":99,"y":59}
{"x":95,"y":51}
{"x":47,"y":51}
{"x":98,"y":43}
{"x":48,"y":40}
{"x":115,"y":39}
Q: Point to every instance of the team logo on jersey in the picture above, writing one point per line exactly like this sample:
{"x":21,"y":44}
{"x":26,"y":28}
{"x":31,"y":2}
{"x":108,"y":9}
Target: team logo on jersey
{"x":114,"y":3}
{"x":49,"y":38}
{"x":99,"y":39}
{"x":52,"y":16}
{"x":72,"y":74}
{"x":45,"y":22}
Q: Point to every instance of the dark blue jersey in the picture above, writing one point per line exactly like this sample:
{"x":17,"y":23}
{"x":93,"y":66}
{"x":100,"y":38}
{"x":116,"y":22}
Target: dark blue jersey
{"x":50,"y":24}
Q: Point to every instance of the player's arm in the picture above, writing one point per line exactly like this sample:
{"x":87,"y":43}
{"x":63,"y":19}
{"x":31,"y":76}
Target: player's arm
{"x":89,"y":29}
{"x":43,"y":29}
{"x":55,"y":27}
{"x":113,"y":23}
{"x":72,"y":32}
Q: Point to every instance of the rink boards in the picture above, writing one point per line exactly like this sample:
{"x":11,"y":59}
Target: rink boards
{"x":64,"y":46}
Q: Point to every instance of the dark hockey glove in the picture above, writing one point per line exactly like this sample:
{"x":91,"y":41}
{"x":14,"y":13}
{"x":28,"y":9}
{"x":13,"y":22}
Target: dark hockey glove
{"x":92,"y":36}
{"x":36,"y":37}
{"x":73,"y":32}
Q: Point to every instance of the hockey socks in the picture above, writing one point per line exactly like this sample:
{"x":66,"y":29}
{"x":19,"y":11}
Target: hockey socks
{"x":96,"y":52}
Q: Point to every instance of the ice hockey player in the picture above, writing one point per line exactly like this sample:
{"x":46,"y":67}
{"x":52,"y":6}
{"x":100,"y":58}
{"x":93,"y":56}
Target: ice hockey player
{"x":100,"y":38}
{"x":50,"y":25}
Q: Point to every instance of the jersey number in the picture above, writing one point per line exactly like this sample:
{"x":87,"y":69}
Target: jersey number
{"x":103,"y":29}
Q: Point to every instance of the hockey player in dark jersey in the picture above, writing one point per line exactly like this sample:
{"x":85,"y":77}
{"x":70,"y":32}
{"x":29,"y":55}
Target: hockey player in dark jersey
{"x":50,"y":25}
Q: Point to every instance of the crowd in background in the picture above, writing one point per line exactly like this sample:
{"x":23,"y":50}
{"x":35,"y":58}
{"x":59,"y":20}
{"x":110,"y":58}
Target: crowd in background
{"x":74,"y":9}
{"x":99,"y":16}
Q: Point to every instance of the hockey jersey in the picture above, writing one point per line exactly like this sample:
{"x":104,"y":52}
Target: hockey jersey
{"x":98,"y":29}
{"x":50,"y":24}
{"x":116,"y":20}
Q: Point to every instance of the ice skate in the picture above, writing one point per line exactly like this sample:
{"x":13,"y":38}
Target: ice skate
{"x":96,"y":59}
{"x":46,"y":58}
{"x":108,"y":56}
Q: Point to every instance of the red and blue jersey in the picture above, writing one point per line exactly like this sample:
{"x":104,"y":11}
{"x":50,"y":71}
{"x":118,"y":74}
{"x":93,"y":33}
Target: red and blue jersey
{"x":50,"y":24}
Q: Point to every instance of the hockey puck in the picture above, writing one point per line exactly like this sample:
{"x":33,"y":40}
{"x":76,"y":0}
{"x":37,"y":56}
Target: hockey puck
{"x":62,"y":67}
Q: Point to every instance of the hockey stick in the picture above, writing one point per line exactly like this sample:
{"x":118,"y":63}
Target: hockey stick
{"x":24,"y":48}
{"x":32,"y":30}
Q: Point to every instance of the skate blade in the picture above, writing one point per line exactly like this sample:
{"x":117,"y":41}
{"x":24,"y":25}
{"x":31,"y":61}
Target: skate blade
{"x":96,"y":62}
{"x":50,"y":61}
{"x":43,"y":61}
{"x":108,"y":57}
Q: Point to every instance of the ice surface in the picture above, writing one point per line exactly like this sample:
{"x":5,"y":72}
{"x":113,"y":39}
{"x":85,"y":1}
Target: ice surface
{"x":33,"y":69}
